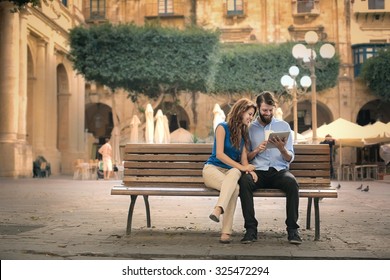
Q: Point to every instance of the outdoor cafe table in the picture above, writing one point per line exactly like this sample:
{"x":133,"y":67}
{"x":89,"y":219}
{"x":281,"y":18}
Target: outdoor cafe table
{"x":366,"y":169}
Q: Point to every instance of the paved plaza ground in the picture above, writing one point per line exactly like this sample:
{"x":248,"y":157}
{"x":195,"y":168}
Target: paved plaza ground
{"x":59,"y":218}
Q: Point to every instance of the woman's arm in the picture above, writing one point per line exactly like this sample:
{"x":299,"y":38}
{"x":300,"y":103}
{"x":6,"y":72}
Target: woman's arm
{"x":220,"y":135}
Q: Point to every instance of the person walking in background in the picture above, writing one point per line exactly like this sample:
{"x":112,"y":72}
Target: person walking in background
{"x":272,"y":169}
{"x":223,"y":168}
{"x":106,"y":152}
{"x":330,"y":141}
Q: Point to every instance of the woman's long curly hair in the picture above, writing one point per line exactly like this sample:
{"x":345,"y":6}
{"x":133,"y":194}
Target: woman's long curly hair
{"x":239,"y":130}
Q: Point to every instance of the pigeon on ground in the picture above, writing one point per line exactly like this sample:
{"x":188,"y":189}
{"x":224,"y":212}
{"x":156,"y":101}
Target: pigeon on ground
{"x":366,"y":189}
{"x":361,"y":187}
{"x":338,"y":186}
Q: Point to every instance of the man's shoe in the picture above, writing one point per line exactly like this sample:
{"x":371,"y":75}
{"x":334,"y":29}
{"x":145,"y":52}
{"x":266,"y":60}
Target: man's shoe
{"x":249,"y":237}
{"x":293,"y":237}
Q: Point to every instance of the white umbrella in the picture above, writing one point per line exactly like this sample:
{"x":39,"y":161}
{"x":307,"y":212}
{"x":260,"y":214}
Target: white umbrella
{"x":159,"y":129}
{"x":377,"y":132}
{"x":344,"y":132}
{"x":135,"y":122}
{"x":167,"y":134}
{"x":300,"y":138}
{"x":115,"y":139}
{"x":219,"y":116}
{"x":149,"y":130}
{"x":181,"y":135}
{"x":278,"y":113}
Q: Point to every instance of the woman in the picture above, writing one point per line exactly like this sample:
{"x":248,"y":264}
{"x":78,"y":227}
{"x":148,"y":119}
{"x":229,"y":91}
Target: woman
{"x":223,"y":169}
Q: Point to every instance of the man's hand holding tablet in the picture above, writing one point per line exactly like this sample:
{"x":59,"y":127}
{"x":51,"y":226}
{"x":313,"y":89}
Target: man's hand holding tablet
{"x":277,"y":137}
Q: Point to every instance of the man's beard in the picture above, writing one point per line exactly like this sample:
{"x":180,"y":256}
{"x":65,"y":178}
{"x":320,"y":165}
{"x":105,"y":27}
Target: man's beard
{"x":265,"y":120}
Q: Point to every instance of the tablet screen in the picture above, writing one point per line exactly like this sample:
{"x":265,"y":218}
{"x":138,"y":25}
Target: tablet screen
{"x":281,"y":135}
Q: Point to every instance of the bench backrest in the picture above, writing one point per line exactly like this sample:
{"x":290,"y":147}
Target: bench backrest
{"x":170,"y":165}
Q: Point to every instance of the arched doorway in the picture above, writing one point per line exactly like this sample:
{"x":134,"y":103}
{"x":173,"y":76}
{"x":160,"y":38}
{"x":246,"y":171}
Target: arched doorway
{"x":177,"y":116}
{"x":63,"y":96}
{"x":99,"y":121}
{"x":324,"y":115}
{"x":371,"y":112}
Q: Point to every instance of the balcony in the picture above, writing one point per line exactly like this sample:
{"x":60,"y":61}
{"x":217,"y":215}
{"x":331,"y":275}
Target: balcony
{"x":372,"y":12}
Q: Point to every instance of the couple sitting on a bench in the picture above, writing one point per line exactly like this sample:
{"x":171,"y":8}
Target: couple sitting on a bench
{"x":241,"y":162}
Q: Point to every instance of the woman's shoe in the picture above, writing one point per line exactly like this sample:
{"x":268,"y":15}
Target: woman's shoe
{"x":226,"y":239}
{"x":215,"y":215}
{"x":214,"y":218}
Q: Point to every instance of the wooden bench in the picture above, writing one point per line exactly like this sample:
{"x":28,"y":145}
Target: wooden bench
{"x":176,"y":170}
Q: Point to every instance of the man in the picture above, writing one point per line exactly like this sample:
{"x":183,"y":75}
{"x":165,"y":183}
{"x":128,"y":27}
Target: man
{"x":272,"y":169}
{"x":106,"y":152}
{"x":331,"y":142}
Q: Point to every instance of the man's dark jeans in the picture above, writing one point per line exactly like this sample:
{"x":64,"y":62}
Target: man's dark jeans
{"x":271,"y":179}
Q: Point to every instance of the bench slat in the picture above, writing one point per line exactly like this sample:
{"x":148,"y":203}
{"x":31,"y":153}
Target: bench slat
{"x":310,"y":158}
{"x":199,"y":164}
{"x":166,"y":157}
{"x":169,"y":148}
{"x":163,"y":172}
{"x":177,"y":191}
{"x":164,"y":179}
{"x":310,"y":165}
{"x":314,"y":184}
{"x":129,"y":173}
{"x":164,"y":165}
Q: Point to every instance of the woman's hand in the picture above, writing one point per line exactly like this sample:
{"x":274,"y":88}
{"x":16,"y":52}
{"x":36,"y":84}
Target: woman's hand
{"x":248,"y":168}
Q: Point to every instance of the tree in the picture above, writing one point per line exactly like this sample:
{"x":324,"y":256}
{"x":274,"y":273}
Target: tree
{"x":255,"y":68}
{"x":20,"y":4}
{"x":375,"y":72}
{"x":151,"y":60}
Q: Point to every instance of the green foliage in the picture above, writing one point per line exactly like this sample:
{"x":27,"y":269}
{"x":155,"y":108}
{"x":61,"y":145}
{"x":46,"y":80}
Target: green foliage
{"x":19,"y":4}
{"x":147,"y":59}
{"x":376,"y":73}
{"x":154,"y":60}
{"x":255,"y":68}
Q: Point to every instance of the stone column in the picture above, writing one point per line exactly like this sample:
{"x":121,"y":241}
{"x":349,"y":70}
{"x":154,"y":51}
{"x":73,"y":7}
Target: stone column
{"x":9,"y":76}
{"x":22,"y":125}
{"x":63,"y":121}
{"x":39,"y":98}
{"x":17,"y":155}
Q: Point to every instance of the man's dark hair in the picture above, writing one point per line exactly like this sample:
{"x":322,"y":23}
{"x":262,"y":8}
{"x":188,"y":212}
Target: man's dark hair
{"x":265,"y":97}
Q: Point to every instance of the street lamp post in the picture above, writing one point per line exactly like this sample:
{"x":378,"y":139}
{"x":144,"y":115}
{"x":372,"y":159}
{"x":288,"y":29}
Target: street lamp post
{"x":307,"y":59}
{"x":290,"y":84}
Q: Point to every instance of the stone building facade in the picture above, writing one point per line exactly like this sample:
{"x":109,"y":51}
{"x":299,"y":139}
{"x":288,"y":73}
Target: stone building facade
{"x":46,"y":107}
{"x":41,"y":97}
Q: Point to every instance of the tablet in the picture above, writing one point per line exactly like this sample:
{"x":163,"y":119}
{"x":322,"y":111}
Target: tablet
{"x":280,"y":134}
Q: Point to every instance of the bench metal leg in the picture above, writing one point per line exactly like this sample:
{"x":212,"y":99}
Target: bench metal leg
{"x":131,"y":210}
{"x":148,"y":221}
{"x":308,"y":213}
{"x":317,"y":218}
{"x":130,"y":214}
